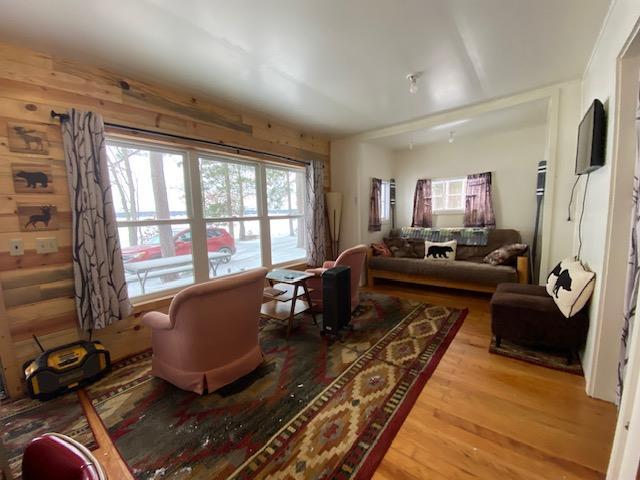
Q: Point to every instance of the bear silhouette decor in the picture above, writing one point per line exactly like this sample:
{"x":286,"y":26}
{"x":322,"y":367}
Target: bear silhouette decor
{"x":563,"y":281}
{"x":33,"y":178}
{"x":436,"y":251}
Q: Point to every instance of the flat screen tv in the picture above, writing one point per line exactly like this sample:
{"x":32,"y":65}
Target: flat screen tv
{"x":591,"y":139}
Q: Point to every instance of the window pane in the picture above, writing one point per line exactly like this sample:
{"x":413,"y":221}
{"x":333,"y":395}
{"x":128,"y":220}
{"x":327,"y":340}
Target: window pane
{"x":228,"y":189}
{"x":285,"y":191}
{"x":146,"y":184}
{"x":287,"y":240}
{"x":455,"y":202}
{"x":437,"y":203}
{"x":455,"y":187}
{"x":156,"y":257}
{"x":384,"y":200}
{"x":241,"y":240}
{"x":437,"y":189}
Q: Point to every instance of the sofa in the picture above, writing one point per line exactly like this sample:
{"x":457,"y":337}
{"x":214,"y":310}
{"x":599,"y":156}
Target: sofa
{"x":467,"y":272}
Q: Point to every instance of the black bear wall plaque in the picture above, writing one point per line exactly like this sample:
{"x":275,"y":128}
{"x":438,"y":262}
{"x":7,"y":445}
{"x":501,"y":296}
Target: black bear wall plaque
{"x":32,"y":178}
{"x":28,"y":138}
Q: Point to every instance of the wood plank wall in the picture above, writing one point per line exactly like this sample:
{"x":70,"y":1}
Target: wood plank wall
{"x":38,"y":288}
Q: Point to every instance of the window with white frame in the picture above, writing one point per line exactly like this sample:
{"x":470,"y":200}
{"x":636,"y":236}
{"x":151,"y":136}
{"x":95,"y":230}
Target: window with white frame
{"x":448,"y":195}
{"x":185,"y":217}
{"x":385,"y":201}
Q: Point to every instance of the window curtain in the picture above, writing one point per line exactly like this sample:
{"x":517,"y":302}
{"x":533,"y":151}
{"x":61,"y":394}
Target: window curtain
{"x":633,"y":269}
{"x":315,"y":230}
{"x":422,"y":210}
{"x":100,"y":286}
{"x":478,"y":209}
{"x":375,"y":205}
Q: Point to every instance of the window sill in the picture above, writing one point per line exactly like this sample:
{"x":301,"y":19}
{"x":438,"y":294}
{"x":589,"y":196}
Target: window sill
{"x":448,"y":212}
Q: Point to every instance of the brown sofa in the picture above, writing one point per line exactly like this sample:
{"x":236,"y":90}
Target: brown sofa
{"x":467,"y":272}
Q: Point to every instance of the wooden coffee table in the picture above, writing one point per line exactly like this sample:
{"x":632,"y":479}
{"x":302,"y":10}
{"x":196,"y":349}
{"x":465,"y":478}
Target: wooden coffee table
{"x":288,"y":304}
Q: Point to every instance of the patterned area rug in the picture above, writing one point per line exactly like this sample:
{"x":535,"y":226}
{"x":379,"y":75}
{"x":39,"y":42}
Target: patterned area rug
{"x":318,"y":407}
{"x":545,"y":358}
{"x":24,"y":419}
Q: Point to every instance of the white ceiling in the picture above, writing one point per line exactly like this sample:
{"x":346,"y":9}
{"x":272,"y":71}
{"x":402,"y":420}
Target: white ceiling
{"x":333,"y":66}
{"x":513,"y":118}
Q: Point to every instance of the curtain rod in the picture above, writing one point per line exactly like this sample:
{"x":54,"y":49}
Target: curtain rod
{"x":64,"y":116}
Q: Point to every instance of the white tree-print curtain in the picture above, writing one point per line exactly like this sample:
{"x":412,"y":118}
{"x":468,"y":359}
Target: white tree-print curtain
{"x":633,"y":268}
{"x":315,"y":230}
{"x":100,"y":287}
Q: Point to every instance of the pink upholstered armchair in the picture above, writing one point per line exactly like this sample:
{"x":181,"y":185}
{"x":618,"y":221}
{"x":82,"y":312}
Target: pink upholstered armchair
{"x":353,"y":257}
{"x":210,"y":337}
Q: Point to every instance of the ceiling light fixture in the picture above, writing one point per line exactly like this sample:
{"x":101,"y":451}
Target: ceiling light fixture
{"x":451,"y":139}
{"x":413,"y":81}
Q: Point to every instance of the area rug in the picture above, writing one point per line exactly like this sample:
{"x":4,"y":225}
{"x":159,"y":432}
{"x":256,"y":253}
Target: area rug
{"x":24,"y":419}
{"x":319,"y":407}
{"x":545,"y":358}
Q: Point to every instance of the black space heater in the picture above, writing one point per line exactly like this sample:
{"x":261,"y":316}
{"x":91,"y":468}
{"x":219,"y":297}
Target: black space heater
{"x":336,"y":299}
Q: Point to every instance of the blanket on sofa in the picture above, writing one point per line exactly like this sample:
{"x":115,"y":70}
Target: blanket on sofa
{"x":464,"y":236}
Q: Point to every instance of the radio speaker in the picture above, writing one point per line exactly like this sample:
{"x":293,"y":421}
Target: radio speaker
{"x":336,"y":299}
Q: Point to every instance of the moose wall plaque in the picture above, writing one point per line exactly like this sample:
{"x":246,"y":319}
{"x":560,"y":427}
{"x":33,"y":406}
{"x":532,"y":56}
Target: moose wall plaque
{"x":32,"y":178}
{"x":28,"y":138}
{"x":34,"y":218}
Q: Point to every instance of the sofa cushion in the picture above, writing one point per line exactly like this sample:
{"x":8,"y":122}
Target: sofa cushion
{"x":497,"y":238}
{"x":440,"y":251}
{"x":570,"y":286}
{"x":507,"y":254}
{"x":473,"y":272}
{"x":381,"y":249}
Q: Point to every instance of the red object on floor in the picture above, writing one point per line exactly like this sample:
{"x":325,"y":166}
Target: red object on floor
{"x":53,"y":456}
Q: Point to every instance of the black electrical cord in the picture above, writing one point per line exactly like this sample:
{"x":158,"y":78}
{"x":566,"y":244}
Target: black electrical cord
{"x":584,"y":201}
{"x":571,"y":198}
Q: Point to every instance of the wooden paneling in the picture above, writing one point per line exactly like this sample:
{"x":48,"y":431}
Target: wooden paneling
{"x":38,"y":288}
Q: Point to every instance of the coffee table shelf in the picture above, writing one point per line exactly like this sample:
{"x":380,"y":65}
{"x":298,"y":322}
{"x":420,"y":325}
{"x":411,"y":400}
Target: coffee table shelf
{"x":288,"y":292}
{"x":282,"y":310}
{"x":289,"y":303}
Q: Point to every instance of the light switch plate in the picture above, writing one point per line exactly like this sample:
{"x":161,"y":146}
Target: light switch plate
{"x":16,"y":247}
{"x":46,"y":245}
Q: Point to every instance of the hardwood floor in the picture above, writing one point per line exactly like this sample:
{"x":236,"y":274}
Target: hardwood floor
{"x":485,"y":416}
{"x":480,"y":416}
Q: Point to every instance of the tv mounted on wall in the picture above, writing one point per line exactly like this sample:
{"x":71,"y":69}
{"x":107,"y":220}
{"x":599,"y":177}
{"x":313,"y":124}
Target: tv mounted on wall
{"x":591,"y":139}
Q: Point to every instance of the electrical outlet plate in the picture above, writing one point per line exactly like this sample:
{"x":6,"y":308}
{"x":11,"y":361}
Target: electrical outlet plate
{"x":16,"y":247}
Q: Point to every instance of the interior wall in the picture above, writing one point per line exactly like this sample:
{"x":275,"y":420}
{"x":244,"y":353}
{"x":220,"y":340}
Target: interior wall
{"x":31,"y":85}
{"x":511,"y":156}
{"x":602,"y":230}
{"x":353,"y":165}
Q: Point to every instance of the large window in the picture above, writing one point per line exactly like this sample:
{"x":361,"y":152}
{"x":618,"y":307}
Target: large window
{"x":448,"y":195}
{"x":185,"y":217}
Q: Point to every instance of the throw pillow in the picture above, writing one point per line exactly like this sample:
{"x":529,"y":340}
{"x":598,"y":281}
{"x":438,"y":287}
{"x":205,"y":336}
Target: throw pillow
{"x":381,"y":249}
{"x":570,"y":286}
{"x":506,"y":254}
{"x":440,"y":251}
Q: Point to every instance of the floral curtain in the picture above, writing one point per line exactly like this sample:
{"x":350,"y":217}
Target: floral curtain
{"x":375,"y":220}
{"x":315,"y":230}
{"x":422,"y":212}
{"x":100,"y":286}
{"x":478,"y":210}
{"x":633,"y":269}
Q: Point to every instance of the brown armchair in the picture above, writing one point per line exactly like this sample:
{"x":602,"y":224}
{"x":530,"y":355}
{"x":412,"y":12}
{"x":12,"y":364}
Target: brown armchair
{"x":210,"y":336}
{"x":354,"y":258}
